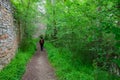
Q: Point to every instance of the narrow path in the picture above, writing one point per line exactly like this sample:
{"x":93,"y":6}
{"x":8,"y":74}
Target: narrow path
{"x":39,"y":68}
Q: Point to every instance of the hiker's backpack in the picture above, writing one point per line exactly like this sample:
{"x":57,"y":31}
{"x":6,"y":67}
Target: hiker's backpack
{"x":42,"y":41}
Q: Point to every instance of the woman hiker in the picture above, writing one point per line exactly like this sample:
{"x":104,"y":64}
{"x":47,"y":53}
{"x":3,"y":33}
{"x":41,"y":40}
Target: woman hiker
{"x":41,"y":43}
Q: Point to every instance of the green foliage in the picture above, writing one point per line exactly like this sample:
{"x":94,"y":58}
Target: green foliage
{"x":25,"y":15}
{"x":89,"y":29}
{"x":61,"y":59}
{"x":16,"y":68}
{"x":66,"y":69}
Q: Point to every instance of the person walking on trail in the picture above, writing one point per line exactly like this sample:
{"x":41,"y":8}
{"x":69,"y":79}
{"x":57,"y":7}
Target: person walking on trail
{"x":41,"y":43}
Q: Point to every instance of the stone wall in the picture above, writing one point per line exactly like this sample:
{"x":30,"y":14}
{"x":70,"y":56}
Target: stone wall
{"x":8,"y":41}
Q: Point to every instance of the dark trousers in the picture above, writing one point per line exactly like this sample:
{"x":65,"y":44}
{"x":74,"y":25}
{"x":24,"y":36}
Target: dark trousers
{"x":41,"y":46}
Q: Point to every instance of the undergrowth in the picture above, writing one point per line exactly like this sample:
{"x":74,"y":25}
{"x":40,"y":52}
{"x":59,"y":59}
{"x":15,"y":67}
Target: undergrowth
{"x":16,"y":68}
{"x":68,"y":69}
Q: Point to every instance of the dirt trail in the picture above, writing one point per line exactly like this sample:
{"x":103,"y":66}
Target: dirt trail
{"x":39,"y":68}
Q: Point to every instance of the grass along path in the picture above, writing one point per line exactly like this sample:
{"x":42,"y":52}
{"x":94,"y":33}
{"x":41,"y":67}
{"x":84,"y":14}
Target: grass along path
{"x":16,"y":68}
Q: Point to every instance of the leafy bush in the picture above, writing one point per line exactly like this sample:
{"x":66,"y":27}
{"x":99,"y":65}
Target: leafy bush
{"x":66,"y":69}
{"x":88,"y":28}
{"x":25,"y":17}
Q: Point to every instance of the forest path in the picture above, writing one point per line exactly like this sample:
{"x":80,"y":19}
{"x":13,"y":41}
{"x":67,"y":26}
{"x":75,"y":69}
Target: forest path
{"x":39,"y":68}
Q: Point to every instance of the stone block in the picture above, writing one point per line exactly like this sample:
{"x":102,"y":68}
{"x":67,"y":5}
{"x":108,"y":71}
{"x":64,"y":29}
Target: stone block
{"x":1,"y":32}
{"x":5,"y":36}
{"x":1,"y":14}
